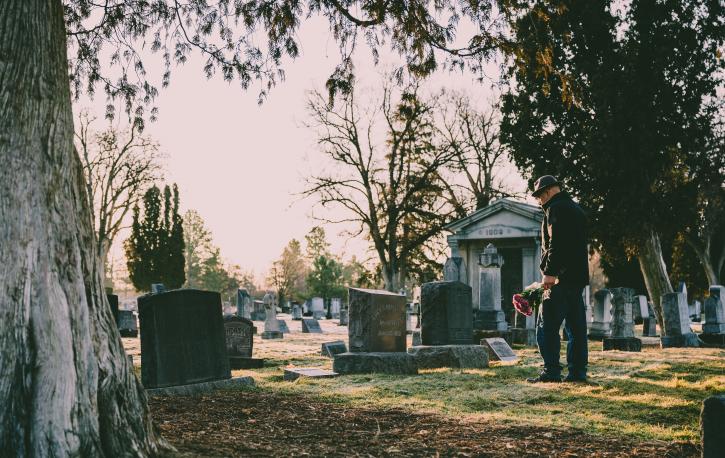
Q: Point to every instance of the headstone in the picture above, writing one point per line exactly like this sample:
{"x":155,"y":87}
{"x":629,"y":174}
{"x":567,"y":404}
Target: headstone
{"x":455,"y":270}
{"x":318,"y":308}
{"x":713,"y":331}
{"x":602,"y":310}
{"x":240,"y":342}
{"x":490,"y":316}
{"x":343,"y":317}
{"x":640,"y":308}
{"x":455,"y":356}
{"x":712,"y":426}
{"x":311,"y":326}
{"x":335,"y":307}
{"x":296,"y":312}
{"x":271,"y":323}
{"x":330,"y":349}
{"x":649,"y":324}
{"x":498,"y":349}
{"x":695,"y":310}
{"x":283,"y":328}
{"x":622,"y":337}
{"x":446,"y":313}
{"x":127,"y":326}
{"x":377,"y":337}
{"x":293,"y":373}
{"x":677,"y":332}
{"x":182,"y":338}
{"x":258,"y":313}
{"x":113,"y":302}
{"x":157,"y":288}
{"x":243,"y":304}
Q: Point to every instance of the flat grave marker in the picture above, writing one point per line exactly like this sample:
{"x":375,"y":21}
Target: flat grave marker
{"x":294,"y":373}
{"x":499,"y":350}
{"x":330,"y":349}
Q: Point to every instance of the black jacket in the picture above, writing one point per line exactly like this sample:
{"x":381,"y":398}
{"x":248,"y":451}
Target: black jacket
{"x":564,"y":241}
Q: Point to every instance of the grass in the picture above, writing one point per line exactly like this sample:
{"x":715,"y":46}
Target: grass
{"x":652,"y":395}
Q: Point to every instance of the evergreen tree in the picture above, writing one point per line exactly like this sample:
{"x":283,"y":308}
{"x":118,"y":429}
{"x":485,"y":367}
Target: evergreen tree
{"x":155,"y":249}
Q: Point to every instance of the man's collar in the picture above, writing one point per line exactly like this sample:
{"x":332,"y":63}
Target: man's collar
{"x":558,"y":196}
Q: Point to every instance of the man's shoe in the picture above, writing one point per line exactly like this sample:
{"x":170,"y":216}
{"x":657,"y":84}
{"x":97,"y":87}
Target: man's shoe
{"x":545,"y":378}
{"x":571,"y":379}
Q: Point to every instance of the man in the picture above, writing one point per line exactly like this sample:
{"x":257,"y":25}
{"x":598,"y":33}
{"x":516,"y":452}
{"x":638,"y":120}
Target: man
{"x":565,"y":269}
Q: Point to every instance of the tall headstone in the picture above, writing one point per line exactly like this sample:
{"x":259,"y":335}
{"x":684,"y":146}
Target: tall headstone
{"x":335,"y":307}
{"x":258,"y":313}
{"x":602,"y":311}
{"x":622,"y":337}
{"x":649,"y":324}
{"x":455,"y":270}
{"x":490,"y":316}
{"x":318,"y":308}
{"x":713,"y":331}
{"x":446,"y":313}
{"x":677,"y":332}
{"x":376,"y":331}
{"x":182,"y":338}
{"x":296,"y":312}
{"x":243,"y":304}
{"x":240,"y":342}
{"x":343,"y":317}
{"x":640,"y":311}
{"x":127,"y":326}
{"x":271,"y":324}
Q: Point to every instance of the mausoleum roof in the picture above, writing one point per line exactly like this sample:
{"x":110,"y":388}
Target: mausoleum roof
{"x":523,"y":209}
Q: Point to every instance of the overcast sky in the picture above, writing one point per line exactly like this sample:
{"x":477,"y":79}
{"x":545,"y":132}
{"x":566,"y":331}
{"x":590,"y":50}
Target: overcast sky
{"x":241,"y":165}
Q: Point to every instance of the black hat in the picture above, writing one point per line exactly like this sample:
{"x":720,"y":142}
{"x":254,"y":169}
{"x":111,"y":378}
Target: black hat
{"x":544,"y":182}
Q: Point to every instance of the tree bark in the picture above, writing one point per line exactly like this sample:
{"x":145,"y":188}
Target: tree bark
{"x":654,"y":271}
{"x":66,"y":388}
{"x":703,"y":255}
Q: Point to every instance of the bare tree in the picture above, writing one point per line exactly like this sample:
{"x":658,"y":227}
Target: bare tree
{"x":118,"y":165}
{"x":288,"y":273}
{"x":478,"y":157}
{"x":391,"y":190}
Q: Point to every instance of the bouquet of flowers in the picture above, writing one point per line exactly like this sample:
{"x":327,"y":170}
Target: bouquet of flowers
{"x":528,"y":299}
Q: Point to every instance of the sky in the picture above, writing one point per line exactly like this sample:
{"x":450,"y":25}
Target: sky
{"x":241,"y":165}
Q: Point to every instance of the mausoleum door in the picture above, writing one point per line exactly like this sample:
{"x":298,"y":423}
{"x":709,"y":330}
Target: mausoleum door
{"x":511,"y":280}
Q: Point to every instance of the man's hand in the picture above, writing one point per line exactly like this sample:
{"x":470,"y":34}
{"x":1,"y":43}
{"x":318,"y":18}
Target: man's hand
{"x":548,"y":281}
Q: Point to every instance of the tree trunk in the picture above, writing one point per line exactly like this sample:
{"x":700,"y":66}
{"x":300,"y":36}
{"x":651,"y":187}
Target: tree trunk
{"x":703,"y":255}
{"x":66,"y":388}
{"x":654,"y":272}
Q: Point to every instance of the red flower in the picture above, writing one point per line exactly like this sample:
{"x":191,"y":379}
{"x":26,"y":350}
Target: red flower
{"x":522,"y":305}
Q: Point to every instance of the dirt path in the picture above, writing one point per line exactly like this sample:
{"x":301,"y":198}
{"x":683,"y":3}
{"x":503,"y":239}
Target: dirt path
{"x":253,"y":423}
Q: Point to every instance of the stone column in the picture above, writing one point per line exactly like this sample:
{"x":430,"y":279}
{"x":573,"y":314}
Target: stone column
{"x":713,"y":331}
{"x":622,"y":337}
{"x":602,"y":315}
{"x":489,"y":318}
{"x":677,"y":332}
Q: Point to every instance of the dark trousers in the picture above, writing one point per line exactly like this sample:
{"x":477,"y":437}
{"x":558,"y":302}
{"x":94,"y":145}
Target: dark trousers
{"x":564,"y":303}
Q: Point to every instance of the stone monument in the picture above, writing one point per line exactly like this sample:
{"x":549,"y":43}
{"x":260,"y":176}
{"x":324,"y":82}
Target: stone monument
{"x":455,"y":270}
{"x":695,"y":310}
{"x":271,"y":324}
{"x":343,"y":317}
{"x":335,"y":307}
{"x":113,"y":302}
{"x":240,"y":342}
{"x":649,"y":324}
{"x":377,"y":338}
{"x":490,"y":318}
{"x":713,"y":331}
{"x":182,"y":338}
{"x":712,"y":425}
{"x":318,"y":308}
{"x":258,"y":310}
{"x":127,"y":326}
{"x":243,"y":304}
{"x":602,"y":311}
{"x":677,"y":332}
{"x":296,"y":312}
{"x":622,"y":337}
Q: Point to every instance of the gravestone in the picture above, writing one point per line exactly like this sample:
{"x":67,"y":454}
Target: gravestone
{"x":318,"y":308}
{"x":311,"y":326}
{"x":640,"y":309}
{"x":602,"y":311}
{"x":695,"y":310}
{"x":490,"y":316}
{"x":113,"y":302}
{"x":622,"y":337}
{"x":649,"y":324}
{"x":127,"y":326}
{"x":682,"y":288}
{"x":182,"y":338}
{"x":330,"y":349}
{"x":712,"y":427}
{"x":343,"y":317}
{"x":499,"y":350}
{"x":335,"y":307}
{"x":446,"y":313}
{"x":713,"y":331}
{"x":283,"y":328}
{"x":244,"y":304}
{"x":258,"y":313}
{"x":271,"y":323}
{"x":296,"y":312}
{"x":240,"y":342}
{"x":377,"y":337}
{"x":677,"y":332}
{"x":293,"y":373}
{"x":454,"y":356}
{"x":455,"y":270}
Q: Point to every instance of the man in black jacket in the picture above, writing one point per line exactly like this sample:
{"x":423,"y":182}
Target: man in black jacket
{"x":565,"y":269}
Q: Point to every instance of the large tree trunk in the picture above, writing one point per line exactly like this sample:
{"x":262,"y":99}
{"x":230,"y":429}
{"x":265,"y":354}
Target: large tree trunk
{"x":654,"y":271}
{"x":66,"y":388}
{"x":703,"y":255}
